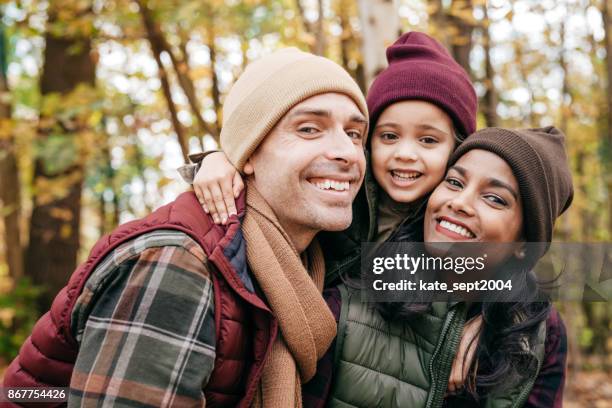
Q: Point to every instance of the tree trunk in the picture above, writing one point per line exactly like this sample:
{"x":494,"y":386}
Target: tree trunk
{"x":453,"y":26}
{"x":157,"y":48}
{"x":346,"y":35}
{"x":320,"y":43}
{"x":315,"y":31}
{"x":462,"y":28}
{"x":522,"y":70}
{"x":439,"y":26}
{"x":349,"y":40}
{"x":10,"y":189}
{"x":159,"y":44}
{"x":380,"y":28}
{"x":608,"y":139}
{"x":490,"y":97}
{"x":55,"y":222}
{"x":564,"y":114}
{"x":110,"y":218}
{"x":216,"y":94}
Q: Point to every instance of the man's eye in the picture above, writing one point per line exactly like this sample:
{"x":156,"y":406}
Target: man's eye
{"x":453,"y":182}
{"x":428,"y":140}
{"x":353,"y":134}
{"x":308,"y":130}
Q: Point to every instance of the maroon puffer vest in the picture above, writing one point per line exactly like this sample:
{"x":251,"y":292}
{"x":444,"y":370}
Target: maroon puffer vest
{"x":245,"y":327}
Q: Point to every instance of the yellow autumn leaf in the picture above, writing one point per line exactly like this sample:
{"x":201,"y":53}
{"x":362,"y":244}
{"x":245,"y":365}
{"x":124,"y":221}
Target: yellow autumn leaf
{"x":65,"y":231}
{"x":6,"y":128}
{"x":6,"y":316}
{"x":95,"y":118}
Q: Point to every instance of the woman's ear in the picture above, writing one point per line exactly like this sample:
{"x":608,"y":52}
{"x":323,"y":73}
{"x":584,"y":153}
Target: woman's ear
{"x":248,"y":168}
{"x":521,"y":250}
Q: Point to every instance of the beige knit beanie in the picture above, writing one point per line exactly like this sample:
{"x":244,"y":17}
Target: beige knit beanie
{"x":269,"y":88}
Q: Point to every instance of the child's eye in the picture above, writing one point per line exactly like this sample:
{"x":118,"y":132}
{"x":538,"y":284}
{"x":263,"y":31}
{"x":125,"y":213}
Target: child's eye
{"x":496,"y":199}
{"x":428,"y":140}
{"x":453,"y":182}
{"x":388,"y":136}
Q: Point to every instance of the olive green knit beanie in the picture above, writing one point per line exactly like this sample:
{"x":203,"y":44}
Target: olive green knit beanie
{"x":269,"y":88}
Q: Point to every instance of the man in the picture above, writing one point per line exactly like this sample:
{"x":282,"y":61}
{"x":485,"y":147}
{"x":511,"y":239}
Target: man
{"x":166,"y":312}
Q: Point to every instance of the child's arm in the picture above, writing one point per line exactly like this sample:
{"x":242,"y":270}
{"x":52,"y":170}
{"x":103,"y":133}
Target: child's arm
{"x":217,"y":184}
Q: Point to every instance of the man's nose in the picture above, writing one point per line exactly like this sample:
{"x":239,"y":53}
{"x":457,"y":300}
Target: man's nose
{"x":342,"y":148}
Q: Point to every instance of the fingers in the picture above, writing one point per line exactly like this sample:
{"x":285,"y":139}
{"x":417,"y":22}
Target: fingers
{"x":200,"y":196}
{"x":220,"y":216}
{"x":228,"y":198}
{"x":209,"y":204}
{"x":238,"y":184}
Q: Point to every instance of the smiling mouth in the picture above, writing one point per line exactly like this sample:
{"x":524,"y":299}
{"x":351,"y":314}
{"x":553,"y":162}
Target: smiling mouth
{"x":454,"y":228}
{"x":327,"y":184}
{"x":404,"y":176}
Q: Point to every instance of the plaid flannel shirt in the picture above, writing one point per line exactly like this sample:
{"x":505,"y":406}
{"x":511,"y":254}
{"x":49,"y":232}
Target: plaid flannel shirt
{"x":145,"y":326}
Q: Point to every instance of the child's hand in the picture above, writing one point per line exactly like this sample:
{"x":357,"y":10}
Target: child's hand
{"x":217,"y":184}
{"x":465,"y":355}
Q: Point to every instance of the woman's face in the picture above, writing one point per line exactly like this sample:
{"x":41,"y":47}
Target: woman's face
{"x":478,"y":201}
{"x":411,"y":144}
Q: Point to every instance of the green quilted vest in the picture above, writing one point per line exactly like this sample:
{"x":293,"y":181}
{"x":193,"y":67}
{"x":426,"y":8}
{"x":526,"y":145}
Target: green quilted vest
{"x":382,"y":364}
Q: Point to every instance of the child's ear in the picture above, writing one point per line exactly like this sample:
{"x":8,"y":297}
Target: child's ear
{"x":248,"y":168}
{"x":521,"y":250}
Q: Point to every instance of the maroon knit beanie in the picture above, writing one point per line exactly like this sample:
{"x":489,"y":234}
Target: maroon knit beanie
{"x":538,"y":160}
{"x":421,"y":68}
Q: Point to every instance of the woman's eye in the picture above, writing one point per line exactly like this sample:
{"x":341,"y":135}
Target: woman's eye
{"x":496,"y":199}
{"x":453,"y":182}
{"x":428,"y":140}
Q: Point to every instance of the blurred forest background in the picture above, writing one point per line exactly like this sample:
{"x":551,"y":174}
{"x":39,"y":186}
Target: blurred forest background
{"x":101,"y":101}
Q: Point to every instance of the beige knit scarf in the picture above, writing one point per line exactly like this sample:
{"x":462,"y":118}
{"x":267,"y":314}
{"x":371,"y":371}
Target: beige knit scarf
{"x":307,"y":326}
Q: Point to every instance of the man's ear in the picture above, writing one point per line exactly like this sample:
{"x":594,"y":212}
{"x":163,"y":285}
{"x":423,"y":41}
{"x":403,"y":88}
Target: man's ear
{"x":248,"y":168}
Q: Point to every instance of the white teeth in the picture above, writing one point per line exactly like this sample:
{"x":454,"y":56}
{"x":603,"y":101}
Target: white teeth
{"x":333,"y":185}
{"x":456,"y":228}
{"x":406,"y":175}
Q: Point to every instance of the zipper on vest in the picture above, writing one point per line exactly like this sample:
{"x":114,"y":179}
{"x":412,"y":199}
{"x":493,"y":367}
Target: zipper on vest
{"x":527,"y":387}
{"x":451,"y":331}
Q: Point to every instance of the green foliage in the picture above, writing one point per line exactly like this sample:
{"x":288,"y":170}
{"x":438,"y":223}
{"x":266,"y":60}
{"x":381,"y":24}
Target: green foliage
{"x":18,"y":313}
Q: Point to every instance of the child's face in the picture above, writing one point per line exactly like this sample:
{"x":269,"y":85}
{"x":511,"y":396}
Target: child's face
{"x":411,"y":144}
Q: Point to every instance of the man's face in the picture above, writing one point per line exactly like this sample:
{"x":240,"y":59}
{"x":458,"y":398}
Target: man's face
{"x":311,"y":165}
